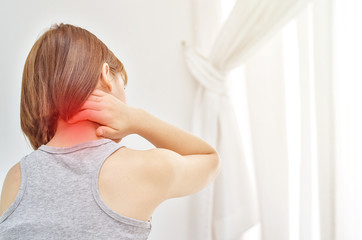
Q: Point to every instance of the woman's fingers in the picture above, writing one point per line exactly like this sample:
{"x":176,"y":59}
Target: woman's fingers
{"x":88,"y":114}
{"x":91,"y":109}
{"x":107,"y":132}
{"x":93,"y":105}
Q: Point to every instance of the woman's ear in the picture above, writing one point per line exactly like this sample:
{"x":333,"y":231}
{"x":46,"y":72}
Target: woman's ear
{"x":105,"y":78}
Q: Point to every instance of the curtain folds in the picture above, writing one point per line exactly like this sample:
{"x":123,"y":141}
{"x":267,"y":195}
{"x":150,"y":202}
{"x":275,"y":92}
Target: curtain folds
{"x":229,"y":206}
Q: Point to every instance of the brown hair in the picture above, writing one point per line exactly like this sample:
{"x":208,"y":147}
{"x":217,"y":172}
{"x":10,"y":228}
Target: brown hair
{"x":60,"y":73}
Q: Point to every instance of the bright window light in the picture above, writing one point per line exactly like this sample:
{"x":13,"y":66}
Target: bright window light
{"x":291,"y":66}
{"x":226,"y":7}
{"x":293,"y":115}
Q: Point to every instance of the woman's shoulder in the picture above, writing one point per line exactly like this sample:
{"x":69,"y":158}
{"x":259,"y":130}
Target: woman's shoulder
{"x":10,"y":187}
{"x":131,"y":183}
{"x":146,"y":164}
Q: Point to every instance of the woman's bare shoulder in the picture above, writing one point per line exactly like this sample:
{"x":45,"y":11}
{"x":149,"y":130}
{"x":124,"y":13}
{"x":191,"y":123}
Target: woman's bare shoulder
{"x":148,"y":163}
{"x":145,"y":168}
{"x":131,"y":184}
{"x":10,"y":187}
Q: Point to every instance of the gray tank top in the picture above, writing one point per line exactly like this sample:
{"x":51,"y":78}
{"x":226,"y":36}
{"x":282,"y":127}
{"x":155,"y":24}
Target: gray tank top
{"x":59,"y":197}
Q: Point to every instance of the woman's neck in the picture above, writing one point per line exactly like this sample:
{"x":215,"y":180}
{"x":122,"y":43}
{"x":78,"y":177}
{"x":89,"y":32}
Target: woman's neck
{"x":71,"y":134}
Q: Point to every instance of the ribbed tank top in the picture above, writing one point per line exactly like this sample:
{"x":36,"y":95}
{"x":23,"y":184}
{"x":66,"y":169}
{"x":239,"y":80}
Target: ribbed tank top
{"x":59,"y":198}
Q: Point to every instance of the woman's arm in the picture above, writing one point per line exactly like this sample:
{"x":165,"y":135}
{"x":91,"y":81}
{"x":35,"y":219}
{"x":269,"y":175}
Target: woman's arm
{"x":119,"y":120}
{"x":164,"y":135}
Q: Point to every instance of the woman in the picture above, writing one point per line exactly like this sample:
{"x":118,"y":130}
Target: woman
{"x":79,"y":183}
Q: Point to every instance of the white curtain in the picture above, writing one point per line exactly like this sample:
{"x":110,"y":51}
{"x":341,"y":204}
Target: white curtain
{"x":327,"y":153}
{"x":347,"y":39}
{"x":228,"y":207}
{"x":290,"y":97}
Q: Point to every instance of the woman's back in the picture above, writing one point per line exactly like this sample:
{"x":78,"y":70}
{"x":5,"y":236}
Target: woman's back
{"x":61,"y":195}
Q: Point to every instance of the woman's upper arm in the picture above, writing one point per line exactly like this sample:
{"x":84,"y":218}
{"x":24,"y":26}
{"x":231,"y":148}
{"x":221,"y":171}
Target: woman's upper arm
{"x":181,"y":175}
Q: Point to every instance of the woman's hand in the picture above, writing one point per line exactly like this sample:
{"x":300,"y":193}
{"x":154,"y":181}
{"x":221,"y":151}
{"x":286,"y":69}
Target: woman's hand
{"x":118,"y":119}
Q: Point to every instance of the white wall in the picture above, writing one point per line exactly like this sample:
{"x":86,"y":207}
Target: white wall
{"x":145,"y":35}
